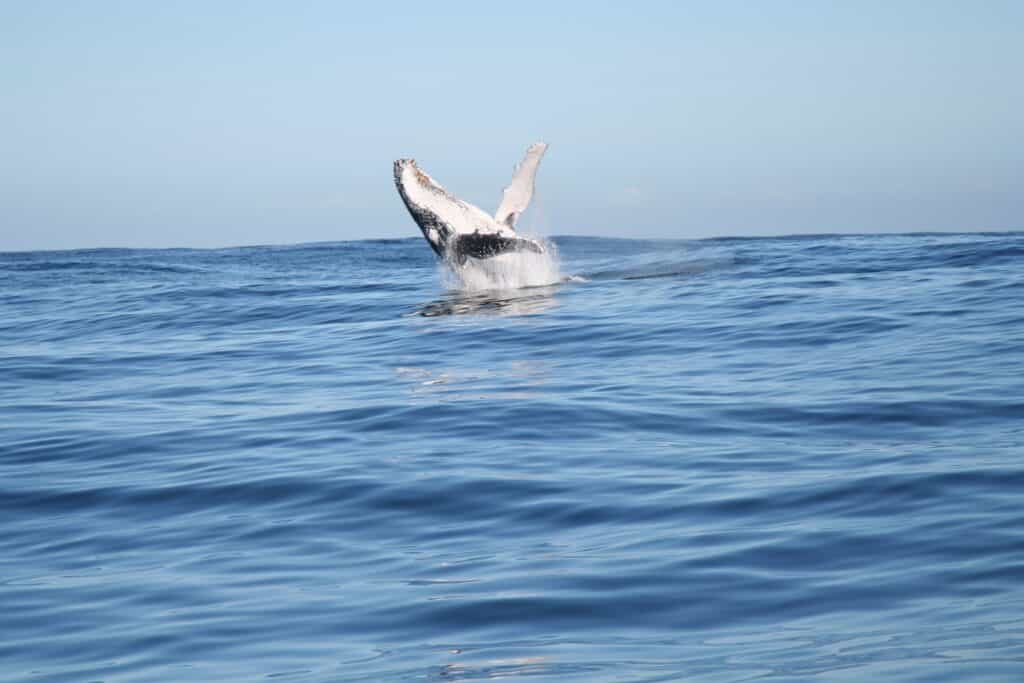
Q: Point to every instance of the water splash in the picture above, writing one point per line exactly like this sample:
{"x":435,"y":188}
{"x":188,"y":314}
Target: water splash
{"x":511,"y":270}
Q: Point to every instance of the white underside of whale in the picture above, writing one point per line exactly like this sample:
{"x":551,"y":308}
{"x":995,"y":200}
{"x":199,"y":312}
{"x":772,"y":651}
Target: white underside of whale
{"x":444,"y":218}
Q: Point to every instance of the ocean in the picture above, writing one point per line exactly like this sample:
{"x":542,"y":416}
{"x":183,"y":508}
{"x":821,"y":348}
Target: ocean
{"x":777,"y":459}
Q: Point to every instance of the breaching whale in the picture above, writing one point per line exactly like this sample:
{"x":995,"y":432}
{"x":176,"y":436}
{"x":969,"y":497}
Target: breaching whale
{"x":457,"y":230}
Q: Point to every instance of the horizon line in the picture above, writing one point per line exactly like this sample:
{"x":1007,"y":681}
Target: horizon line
{"x":799,"y":235}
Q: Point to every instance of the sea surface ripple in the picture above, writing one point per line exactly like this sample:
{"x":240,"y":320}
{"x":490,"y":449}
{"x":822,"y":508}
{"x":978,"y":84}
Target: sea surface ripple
{"x":781,"y":459}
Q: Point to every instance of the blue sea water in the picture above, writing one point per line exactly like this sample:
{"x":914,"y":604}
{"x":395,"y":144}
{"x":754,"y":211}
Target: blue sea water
{"x":781,"y":459}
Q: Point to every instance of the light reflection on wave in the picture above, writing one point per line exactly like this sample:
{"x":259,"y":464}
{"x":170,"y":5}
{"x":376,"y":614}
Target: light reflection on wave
{"x":518,"y":380}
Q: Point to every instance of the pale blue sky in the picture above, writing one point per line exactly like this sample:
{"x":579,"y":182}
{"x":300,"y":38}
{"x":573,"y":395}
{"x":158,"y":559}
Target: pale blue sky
{"x":205,"y":124}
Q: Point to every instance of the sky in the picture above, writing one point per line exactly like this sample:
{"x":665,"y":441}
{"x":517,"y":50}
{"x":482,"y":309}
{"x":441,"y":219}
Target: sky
{"x":144,"y":124}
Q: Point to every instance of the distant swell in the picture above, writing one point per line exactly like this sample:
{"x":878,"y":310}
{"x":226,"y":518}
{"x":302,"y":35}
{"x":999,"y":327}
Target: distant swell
{"x":793,"y":458}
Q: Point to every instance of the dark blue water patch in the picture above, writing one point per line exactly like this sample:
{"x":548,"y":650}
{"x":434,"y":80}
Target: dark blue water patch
{"x":788,"y":458}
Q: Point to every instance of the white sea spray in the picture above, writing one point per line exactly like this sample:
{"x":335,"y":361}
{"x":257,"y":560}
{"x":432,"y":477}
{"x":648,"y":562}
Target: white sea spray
{"x":511,"y":270}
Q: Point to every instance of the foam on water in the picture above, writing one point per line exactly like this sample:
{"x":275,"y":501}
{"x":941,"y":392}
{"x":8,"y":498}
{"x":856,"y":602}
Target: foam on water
{"x":511,"y":270}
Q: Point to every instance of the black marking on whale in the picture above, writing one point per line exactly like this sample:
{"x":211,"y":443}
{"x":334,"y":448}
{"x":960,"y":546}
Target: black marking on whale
{"x":485,"y":246}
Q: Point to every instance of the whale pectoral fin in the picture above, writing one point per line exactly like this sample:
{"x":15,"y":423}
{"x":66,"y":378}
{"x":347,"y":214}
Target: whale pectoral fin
{"x":516,"y":197}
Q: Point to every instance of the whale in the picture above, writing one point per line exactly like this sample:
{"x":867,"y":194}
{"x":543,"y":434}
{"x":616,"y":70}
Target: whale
{"x":457,"y":230}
